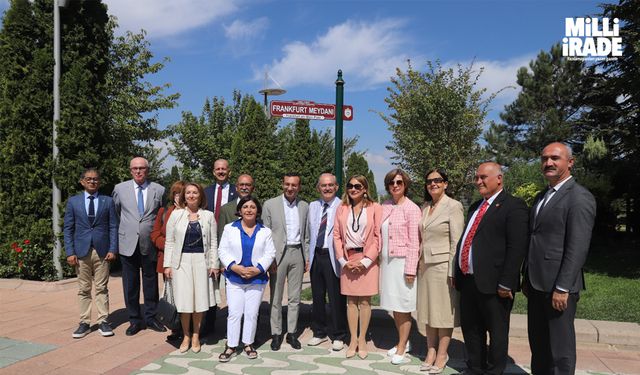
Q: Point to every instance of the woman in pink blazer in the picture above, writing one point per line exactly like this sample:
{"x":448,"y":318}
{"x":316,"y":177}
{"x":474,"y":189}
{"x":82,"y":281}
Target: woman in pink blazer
{"x":356,"y":242}
{"x":400,"y":250}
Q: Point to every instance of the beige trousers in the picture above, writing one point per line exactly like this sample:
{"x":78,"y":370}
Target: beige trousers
{"x":92,"y":269}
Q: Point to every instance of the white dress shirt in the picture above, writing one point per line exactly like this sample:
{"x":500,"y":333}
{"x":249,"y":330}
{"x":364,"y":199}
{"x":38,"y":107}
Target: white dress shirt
{"x":466,"y":231}
{"x":292,"y":220}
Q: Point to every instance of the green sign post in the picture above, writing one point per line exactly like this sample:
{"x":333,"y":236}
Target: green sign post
{"x":338,"y":139}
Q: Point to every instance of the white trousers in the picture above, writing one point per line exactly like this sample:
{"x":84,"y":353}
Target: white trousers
{"x":243,"y":299}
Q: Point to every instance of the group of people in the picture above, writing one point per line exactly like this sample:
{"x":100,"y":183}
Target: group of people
{"x":426,"y":260}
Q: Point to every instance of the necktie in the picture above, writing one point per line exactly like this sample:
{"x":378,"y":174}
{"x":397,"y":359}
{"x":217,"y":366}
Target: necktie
{"x":140,"y":201}
{"x":92,"y":210}
{"x":323,"y":226}
{"x":466,"y":247}
{"x":546,"y":198}
{"x":216,"y":210}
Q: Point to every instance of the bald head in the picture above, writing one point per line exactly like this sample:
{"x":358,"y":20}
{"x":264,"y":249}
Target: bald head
{"x":221,"y":171}
{"x":139,"y":168}
{"x":556,"y":162}
{"x":488,"y":179}
{"x":327,"y":186}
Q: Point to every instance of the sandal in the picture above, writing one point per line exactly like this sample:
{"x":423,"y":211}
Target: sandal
{"x":227,"y":354}
{"x":250,"y":351}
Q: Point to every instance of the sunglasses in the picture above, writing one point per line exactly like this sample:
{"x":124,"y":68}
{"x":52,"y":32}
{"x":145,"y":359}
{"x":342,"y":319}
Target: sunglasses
{"x":396,"y":182}
{"x":354,"y":186}
{"x":437,"y":180}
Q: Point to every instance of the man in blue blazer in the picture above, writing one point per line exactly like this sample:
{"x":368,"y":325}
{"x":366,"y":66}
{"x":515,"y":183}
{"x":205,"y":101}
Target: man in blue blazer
{"x":91,"y":243}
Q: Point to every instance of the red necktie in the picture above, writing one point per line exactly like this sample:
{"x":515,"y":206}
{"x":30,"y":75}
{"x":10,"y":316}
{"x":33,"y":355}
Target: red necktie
{"x":218,"y":202}
{"x":466,"y":247}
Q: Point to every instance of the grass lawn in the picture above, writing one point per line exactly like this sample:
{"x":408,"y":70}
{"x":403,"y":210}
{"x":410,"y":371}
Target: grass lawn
{"x":612,"y":277}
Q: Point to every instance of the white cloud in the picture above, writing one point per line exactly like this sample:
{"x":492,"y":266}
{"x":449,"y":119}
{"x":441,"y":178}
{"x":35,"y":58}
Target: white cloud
{"x":163,"y":18}
{"x":246,"y":30}
{"x":367,"y":52}
{"x":499,"y":76}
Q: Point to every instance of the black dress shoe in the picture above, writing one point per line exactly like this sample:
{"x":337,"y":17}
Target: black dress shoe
{"x":293,"y":341}
{"x":276,"y":342}
{"x":133,"y":329}
{"x":156,"y":326}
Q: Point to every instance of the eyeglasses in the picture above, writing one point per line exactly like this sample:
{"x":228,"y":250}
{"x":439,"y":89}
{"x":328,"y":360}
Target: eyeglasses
{"x":138,"y":168}
{"x":91,"y":179}
{"x":245,"y":184}
{"x":354,"y":186}
{"x":437,"y":180}
{"x":396,"y":182}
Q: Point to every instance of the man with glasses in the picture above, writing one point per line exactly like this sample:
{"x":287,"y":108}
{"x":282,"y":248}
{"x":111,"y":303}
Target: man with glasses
{"x":137,"y":202}
{"x":286,"y":216}
{"x":325,"y":269}
{"x":91,"y":243}
{"x":487,"y":270}
{"x":228,"y":213}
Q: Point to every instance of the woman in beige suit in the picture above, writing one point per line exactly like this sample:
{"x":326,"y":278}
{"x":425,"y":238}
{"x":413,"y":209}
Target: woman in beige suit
{"x":190,"y":259}
{"x":441,"y":227}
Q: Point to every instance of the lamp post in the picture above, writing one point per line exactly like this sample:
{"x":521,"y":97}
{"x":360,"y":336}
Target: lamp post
{"x":270,"y":92}
{"x":55,"y":194}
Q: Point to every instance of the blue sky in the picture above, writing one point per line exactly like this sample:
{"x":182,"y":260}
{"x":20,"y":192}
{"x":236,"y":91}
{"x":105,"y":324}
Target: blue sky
{"x":216,"y":46}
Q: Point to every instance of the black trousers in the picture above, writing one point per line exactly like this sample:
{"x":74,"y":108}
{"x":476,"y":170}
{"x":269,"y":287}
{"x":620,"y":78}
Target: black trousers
{"x":552,"y":335}
{"x":323,"y":282}
{"x":131,"y":266}
{"x":481,"y":314}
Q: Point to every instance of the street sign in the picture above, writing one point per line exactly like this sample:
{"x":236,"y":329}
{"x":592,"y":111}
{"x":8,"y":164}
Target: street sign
{"x":308,"y":110}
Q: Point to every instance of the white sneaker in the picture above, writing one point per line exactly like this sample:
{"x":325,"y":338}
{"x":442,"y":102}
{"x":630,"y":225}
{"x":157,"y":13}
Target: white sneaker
{"x":399,"y":359}
{"x":315,"y":341}
{"x":337,"y":345}
{"x":391,"y":352}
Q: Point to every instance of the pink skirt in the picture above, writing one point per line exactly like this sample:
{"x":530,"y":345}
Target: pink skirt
{"x":360,"y":284}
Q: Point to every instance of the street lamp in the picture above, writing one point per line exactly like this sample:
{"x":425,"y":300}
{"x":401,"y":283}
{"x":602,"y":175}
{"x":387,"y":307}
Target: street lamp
{"x":55,"y":194}
{"x":266,"y":91}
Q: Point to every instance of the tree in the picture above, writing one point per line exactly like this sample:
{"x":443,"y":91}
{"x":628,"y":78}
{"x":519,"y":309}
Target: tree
{"x":547,"y":109}
{"x":436,"y":119}
{"x":107,"y":116}
{"x":253,"y":151}
{"x":199,"y":141}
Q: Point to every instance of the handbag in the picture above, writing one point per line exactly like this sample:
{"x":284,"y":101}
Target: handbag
{"x":167,"y":313}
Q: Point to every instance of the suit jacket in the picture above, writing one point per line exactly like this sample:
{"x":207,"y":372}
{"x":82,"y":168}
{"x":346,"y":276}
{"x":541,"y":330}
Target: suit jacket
{"x":210,"y":193}
{"x":499,"y":245}
{"x":79,"y":234}
{"x":135,"y":230}
{"x":176,"y":231}
{"x":315,"y":215}
{"x":372,"y":240}
{"x":441,"y":231}
{"x":560,"y":238}
{"x":404,"y":232}
{"x":274,"y":219}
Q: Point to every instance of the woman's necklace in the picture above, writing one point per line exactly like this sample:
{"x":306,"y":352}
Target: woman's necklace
{"x":355,"y":221}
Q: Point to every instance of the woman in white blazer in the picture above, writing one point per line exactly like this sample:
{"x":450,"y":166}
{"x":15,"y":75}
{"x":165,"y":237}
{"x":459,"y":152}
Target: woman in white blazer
{"x":246,"y":252}
{"x":190,"y":259}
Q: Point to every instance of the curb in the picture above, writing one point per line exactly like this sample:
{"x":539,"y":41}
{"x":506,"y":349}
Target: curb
{"x":38,"y":286}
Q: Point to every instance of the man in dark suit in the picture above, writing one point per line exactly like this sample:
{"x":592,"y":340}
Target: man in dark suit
{"x":137,"y":202}
{"x":221,"y":192}
{"x":91,"y":243}
{"x":487,"y":270}
{"x":561,"y":220}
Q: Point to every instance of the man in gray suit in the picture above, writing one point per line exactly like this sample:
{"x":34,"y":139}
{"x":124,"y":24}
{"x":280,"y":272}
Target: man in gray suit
{"x":286,"y":216}
{"x":561,"y":222}
{"x":137,"y":202}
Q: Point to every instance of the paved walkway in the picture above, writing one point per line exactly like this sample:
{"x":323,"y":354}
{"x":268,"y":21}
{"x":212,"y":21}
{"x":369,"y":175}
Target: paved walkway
{"x":37,"y":319}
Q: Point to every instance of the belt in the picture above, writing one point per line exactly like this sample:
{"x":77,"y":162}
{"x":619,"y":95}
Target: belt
{"x":298,"y":246}
{"x":322,"y":251}
{"x":356,"y":249}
